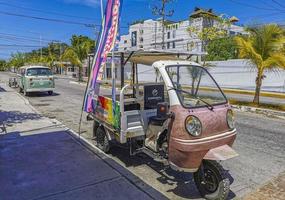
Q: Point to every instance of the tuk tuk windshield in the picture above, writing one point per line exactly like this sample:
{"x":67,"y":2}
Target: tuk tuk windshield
{"x":195,"y":87}
{"x":39,"y":72}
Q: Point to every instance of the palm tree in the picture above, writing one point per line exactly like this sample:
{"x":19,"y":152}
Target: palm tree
{"x":78,"y":51}
{"x":263,"y":47}
{"x":17,"y":60}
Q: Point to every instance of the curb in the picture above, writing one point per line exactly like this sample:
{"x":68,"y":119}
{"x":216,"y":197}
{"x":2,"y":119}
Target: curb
{"x":267,"y":112}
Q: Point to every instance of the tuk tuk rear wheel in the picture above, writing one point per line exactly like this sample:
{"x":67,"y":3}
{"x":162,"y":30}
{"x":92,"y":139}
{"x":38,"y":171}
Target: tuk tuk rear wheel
{"x":211,"y":181}
{"x":102,"y":140}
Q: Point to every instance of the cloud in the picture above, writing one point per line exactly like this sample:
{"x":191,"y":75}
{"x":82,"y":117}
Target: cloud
{"x":92,"y":3}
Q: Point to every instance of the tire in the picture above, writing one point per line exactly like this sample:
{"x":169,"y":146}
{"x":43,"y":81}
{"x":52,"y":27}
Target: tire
{"x":102,"y":140}
{"x":95,"y":127}
{"x":216,"y":185}
{"x":50,"y":93}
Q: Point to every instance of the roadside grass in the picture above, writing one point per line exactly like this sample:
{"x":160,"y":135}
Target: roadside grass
{"x":262,"y":105}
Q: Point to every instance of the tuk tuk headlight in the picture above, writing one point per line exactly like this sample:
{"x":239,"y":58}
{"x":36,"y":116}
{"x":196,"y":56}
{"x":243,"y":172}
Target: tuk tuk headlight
{"x":193,"y":126}
{"x":231,"y":119}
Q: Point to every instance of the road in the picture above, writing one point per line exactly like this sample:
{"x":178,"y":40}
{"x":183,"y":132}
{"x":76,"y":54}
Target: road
{"x":260,"y":144}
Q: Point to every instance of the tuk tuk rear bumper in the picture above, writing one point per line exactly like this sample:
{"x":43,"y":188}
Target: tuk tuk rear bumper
{"x":187,"y":155}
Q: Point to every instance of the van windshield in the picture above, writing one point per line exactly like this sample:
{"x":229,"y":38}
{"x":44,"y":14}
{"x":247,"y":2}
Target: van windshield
{"x":39,"y":72}
{"x":195,"y":87}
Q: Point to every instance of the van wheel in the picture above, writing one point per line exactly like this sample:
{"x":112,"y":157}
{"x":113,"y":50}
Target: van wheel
{"x":102,"y":140}
{"x":211,"y":181}
{"x":50,"y":92}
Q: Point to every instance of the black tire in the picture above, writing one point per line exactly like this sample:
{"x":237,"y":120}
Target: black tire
{"x":102,"y":140}
{"x":50,"y":92}
{"x":95,"y":127}
{"x":216,"y":185}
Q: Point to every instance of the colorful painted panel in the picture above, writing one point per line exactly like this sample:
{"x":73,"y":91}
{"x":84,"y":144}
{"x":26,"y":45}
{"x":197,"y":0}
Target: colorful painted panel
{"x":104,"y":112}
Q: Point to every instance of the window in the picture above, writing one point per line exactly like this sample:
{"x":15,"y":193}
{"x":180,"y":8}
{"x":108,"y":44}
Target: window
{"x":174,"y":34}
{"x":168,"y":45}
{"x":173,"y":45}
{"x":168,"y":35}
{"x":39,"y":72}
{"x":134,"y":39}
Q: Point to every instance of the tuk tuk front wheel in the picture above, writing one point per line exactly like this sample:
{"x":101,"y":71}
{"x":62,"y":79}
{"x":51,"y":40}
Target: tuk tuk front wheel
{"x":102,"y":140}
{"x":211,"y":181}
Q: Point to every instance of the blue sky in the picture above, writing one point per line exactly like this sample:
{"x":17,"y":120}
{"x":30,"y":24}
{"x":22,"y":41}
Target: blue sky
{"x":25,"y":32}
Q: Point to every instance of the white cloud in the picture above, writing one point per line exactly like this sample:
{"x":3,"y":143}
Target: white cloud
{"x":93,"y":3}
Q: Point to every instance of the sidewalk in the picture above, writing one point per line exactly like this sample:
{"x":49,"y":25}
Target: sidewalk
{"x":40,"y":159}
{"x":274,"y":189}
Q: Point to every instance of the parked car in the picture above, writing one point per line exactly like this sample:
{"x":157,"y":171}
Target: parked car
{"x":35,"y":79}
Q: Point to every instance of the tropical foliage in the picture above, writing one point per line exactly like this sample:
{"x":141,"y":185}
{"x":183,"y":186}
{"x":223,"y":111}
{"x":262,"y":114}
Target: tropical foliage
{"x":78,"y":51}
{"x":210,"y":30}
{"x":221,"y":49}
{"x":3,"y":65}
{"x":264,"y":47}
{"x":56,"y":52}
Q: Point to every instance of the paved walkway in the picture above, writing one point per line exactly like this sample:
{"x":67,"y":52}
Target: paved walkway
{"x":274,"y":189}
{"x":39,"y":159}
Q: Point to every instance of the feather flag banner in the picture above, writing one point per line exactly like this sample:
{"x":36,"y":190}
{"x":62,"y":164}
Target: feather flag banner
{"x":106,"y":43}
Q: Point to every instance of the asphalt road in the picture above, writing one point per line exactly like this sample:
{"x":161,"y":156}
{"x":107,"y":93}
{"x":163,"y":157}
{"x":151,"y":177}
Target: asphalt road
{"x":260,"y":144}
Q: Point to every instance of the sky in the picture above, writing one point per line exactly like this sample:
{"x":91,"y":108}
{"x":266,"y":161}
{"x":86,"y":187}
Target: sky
{"x":21,"y":29}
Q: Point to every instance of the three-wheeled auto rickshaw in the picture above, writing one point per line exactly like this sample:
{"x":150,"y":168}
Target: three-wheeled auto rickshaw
{"x":180,"y":117}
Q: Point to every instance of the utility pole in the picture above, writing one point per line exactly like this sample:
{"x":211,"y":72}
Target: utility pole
{"x":163,"y":13}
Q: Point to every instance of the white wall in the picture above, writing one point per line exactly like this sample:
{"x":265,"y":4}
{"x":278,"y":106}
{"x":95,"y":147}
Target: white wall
{"x":235,"y":74}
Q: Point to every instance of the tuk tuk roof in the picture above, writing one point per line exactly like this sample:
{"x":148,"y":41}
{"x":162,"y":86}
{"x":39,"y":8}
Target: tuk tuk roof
{"x":148,"y":57}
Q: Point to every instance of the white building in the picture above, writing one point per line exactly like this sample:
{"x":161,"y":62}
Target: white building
{"x":147,"y":34}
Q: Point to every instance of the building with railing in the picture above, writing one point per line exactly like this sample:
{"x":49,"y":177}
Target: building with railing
{"x":147,"y":34}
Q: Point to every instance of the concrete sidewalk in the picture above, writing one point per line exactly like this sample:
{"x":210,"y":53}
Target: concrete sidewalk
{"x":40,"y":159}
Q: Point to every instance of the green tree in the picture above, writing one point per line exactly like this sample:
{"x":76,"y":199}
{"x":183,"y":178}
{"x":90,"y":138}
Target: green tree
{"x":78,"y":51}
{"x":3,"y":65}
{"x":17,"y":60}
{"x":263,"y":47}
{"x":210,"y":30}
{"x":221,"y":49}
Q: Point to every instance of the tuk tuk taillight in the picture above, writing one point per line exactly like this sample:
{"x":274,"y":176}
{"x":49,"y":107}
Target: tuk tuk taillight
{"x":50,"y":79}
{"x":31,"y":79}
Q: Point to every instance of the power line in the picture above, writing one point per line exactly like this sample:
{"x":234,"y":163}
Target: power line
{"x":18,"y":45}
{"x":253,"y":6}
{"x":50,"y":19}
{"x":42,"y":11}
{"x":278,"y":3}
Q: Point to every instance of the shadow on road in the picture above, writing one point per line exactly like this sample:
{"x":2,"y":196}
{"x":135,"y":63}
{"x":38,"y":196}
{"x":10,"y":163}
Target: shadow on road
{"x":42,"y":94}
{"x":14,"y":117}
{"x":185,"y":185}
{"x":2,"y":89}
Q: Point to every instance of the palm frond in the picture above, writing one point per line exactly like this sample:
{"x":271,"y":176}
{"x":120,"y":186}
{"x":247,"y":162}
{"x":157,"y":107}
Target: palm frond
{"x":246,"y":50}
{"x":276,"y":60}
